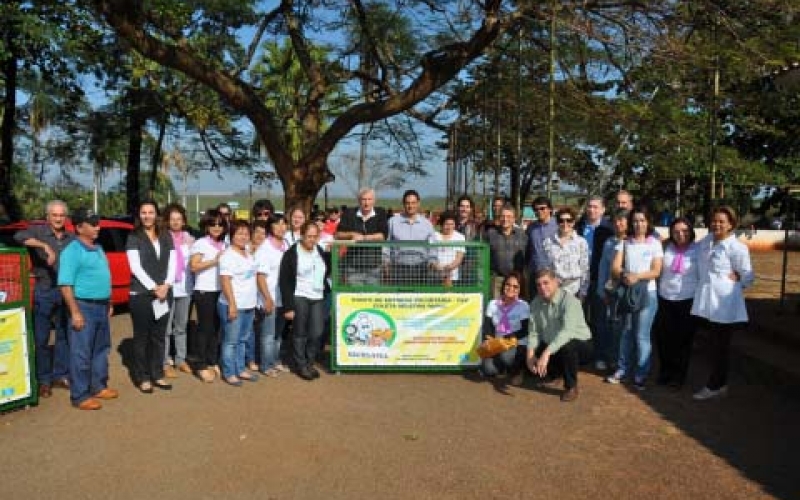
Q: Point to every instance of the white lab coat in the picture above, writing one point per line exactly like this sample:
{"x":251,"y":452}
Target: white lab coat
{"x":719,"y":298}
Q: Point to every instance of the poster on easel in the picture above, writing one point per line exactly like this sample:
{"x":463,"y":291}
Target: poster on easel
{"x":15,"y":368}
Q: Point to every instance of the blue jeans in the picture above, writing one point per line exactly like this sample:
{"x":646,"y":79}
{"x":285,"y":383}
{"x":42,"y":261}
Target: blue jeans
{"x":89,"y":348}
{"x":235,"y":335}
{"x":510,"y":362}
{"x":49,"y":307}
{"x":176,"y":327}
{"x":271,"y":333}
{"x":637,"y":329}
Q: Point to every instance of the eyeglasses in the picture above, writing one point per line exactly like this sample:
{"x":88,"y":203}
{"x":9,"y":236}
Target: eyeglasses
{"x":540,"y":209}
{"x":511,"y":285}
{"x":216,"y":223}
{"x":565,"y":220}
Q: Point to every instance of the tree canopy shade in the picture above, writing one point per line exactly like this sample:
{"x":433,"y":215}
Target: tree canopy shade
{"x":455,"y":34}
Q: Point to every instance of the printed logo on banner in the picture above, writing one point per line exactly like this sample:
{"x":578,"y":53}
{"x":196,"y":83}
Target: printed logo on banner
{"x":368,"y":327}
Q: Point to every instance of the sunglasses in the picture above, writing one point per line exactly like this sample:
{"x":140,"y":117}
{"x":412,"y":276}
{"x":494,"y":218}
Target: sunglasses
{"x":565,"y":220}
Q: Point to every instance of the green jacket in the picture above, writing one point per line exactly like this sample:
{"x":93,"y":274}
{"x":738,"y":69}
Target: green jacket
{"x":557,"y":322}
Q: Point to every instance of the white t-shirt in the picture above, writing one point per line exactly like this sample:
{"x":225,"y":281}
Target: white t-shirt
{"x":242,"y":269}
{"x":446,"y":255}
{"x":678,"y":286}
{"x":310,"y":274}
{"x":518,"y":313}
{"x":207,"y":280}
{"x":639,"y":256}
{"x":268,"y":259}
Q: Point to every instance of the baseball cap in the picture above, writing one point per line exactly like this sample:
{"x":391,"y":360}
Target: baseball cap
{"x":82,"y":215}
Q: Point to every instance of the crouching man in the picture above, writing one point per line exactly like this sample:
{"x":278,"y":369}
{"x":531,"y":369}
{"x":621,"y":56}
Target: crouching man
{"x":558,"y":338}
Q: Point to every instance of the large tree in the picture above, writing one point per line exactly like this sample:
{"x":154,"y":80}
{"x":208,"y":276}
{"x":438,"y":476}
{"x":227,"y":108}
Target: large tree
{"x":455,"y":34}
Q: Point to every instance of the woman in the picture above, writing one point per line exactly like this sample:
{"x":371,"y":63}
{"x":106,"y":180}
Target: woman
{"x":296,"y":217}
{"x":237,"y":303}
{"x":675,"y":325}
{"x":607,"y":335}
{"x":724,"y":271}
{"x":203,"y":262}
{"x":639,"y":259}
{"x":303,"y":280}
{"x":175,"y":226}
{"x":507,"y":316}
{"x":152,"y":260}
{"x":568,"y":254}
{"x":258,"y":232}
{"x":270,"y":327}
{"x":448,"y":258}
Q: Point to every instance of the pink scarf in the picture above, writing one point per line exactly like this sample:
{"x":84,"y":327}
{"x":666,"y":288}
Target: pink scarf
{"x":177,"y":242}
{"x":677,"y":263}
{"x":504,"y":326}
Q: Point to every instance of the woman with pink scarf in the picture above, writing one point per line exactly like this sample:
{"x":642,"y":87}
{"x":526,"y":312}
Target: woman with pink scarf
{"x":174,"y":221}
{"x":675,"y":326}
{"x":507,"y":316}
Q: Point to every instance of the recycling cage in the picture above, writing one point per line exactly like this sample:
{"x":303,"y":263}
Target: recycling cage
{"x":17,"y":381}
{"x":393,"y":310}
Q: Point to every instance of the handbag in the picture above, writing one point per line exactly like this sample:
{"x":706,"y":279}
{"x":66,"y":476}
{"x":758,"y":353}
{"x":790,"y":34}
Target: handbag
{"x":628,"y":299}
{"x":493,"y":346}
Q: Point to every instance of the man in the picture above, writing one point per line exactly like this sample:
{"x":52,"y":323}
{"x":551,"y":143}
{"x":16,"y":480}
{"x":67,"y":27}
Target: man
{"x":469,"y":227}
{"x":558,"y":334}
{"x":624,"y":200}
{"x":466,"y":224}
{"x":366,"y":223}
{"x":410,"y":265}
{"x":538,"y":231}
{"x":507,"y":245}
{"x":85,"y":281}
{"x":45,"y":243}
{"x":489,"y":225}
{"x":595,"y":229}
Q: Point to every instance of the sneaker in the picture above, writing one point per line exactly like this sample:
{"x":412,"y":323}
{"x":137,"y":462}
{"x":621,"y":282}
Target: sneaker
{"x":600,"y":365}
{"x":615,"y":378}
{"x":706,"y":393}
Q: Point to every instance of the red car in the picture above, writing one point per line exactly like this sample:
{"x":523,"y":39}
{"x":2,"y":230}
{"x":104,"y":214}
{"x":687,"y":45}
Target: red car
{"x":113,"y":235}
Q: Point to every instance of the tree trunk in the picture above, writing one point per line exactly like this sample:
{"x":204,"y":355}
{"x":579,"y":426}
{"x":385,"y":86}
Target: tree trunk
{"x":9,"y":71}
{"x":137,"y":123}
{"x":158,"y":154}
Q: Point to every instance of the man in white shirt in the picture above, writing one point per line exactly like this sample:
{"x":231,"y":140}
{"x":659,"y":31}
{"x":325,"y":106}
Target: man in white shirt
{"x":368,"y":224}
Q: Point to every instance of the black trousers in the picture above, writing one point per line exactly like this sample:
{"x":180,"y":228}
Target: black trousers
{"x":720,"y":335}
{"x":149,"y":335}
{"x":565,"y":362}
{"x":205,"y":340}
{"x":674,"y":331}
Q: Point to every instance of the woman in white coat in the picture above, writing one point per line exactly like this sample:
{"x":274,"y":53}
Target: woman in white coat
{"x":724,"y":271}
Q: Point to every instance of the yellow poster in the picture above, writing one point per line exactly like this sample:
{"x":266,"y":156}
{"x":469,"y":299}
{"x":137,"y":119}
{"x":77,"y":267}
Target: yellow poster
{"x":15,"y":380}
{"x":408,"y":329}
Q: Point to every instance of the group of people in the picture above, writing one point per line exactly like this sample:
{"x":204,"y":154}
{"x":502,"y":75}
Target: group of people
{"x":556,"y":285}
{"x":631,"y":286}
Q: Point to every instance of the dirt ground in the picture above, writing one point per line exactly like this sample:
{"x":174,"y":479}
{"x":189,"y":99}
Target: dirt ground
{"x":401,"y":436}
